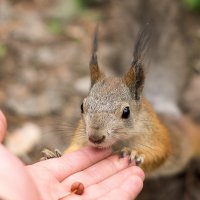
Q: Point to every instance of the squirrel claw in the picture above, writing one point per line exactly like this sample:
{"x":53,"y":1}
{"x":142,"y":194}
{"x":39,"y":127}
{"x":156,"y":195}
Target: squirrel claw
{"x":124,"y":152}
{"x":133,"y":156}
{"x":139,"y":160}
{"x":48,"y":154}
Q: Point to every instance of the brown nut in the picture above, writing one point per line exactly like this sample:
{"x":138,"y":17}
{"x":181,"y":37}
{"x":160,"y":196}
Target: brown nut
{"x":77,"y":188}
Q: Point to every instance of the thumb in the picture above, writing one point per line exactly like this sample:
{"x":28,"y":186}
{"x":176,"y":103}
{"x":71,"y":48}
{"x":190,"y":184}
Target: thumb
{"x":3,"y":126}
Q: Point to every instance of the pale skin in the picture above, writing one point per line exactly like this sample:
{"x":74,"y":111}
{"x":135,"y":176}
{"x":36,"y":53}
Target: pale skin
{"x":103,"y":175}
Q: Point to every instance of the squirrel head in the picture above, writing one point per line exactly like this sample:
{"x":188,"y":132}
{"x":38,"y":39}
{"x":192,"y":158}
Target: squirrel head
{"x":110,"y":110}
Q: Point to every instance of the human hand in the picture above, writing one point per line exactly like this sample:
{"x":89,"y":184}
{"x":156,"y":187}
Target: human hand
{"x":104,"y":176}
{"x":110,"y":178}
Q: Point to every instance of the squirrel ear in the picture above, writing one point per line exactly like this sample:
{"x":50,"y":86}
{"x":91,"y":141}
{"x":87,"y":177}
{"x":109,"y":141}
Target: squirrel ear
{"x":95,"y":73}
{"x":135,"y":77}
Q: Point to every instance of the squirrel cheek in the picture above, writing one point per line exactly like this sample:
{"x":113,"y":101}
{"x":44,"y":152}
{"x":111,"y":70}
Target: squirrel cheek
{"x":88,"y":131}
{"x":87,"y":127}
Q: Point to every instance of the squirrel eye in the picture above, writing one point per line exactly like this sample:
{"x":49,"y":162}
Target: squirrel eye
{"x":82,"y":111}
{"x":126,"y":113}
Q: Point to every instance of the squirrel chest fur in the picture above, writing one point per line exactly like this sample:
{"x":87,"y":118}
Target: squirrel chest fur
{"x":116,"y":115}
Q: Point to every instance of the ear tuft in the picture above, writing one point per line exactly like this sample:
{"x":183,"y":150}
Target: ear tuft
{"x":95,"y":73}
{"x":135,"y":77}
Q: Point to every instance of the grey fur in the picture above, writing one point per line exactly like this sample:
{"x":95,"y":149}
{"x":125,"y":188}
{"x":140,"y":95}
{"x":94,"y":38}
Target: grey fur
{"x":103,"y":109}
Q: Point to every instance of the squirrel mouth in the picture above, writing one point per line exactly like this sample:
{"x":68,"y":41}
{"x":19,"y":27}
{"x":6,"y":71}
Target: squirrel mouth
{"x":103,"y":145}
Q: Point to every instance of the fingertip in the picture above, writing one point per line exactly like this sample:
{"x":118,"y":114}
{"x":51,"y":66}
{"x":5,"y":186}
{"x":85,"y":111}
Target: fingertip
{"x":133,"y":185}
{"x":138,"y":181}
{"x":139,"y":172}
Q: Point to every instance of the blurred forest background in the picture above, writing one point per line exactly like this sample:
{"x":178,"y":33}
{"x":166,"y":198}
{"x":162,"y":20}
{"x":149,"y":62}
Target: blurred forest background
{"x":45,"y":49}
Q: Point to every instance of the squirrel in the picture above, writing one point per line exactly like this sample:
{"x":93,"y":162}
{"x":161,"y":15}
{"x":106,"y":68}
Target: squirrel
{"x":116,"y":115}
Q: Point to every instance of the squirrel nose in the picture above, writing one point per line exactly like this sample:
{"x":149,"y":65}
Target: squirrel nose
{"x":96,"y":139}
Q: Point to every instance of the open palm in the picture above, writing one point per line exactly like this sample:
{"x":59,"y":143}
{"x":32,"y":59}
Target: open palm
{"x":110,"y":178}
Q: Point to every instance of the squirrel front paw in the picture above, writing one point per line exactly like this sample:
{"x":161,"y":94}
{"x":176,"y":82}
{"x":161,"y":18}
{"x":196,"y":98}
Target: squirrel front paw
{"x":48,"y":154}
{"x":133,"y":156}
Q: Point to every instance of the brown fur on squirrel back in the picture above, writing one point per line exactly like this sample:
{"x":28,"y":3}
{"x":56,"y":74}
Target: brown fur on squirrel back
{"x":184,"y":127}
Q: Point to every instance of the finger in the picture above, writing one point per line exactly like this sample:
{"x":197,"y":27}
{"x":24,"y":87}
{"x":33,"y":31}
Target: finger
{"x":128,"y":189}
{"x":73,"y":162}
{"x":113,"y":182}
{"x":98,"y":172}
{"x":3,"y":126}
